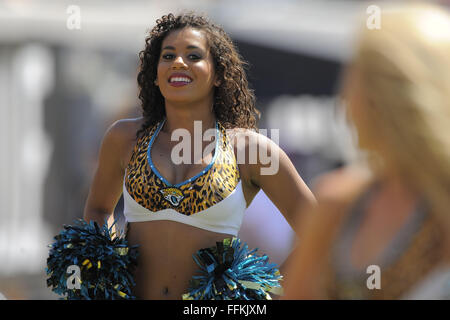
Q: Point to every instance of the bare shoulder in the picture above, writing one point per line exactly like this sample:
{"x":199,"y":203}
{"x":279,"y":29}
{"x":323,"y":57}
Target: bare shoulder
{"x":120,"y":138}
{"x":125,"y":129}
{"x":341,"y":185}
{"x":234,"y":134}
{"x":242,"y":138}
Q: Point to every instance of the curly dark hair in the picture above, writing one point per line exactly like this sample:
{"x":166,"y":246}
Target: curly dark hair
{"x":234,"y":101}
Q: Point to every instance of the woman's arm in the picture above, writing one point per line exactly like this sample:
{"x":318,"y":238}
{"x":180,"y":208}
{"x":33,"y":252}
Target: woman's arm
{"x":267,"y":167}
{"x":275,"y":174}
{"x":106,"y":187}
{"x":306,"y":271}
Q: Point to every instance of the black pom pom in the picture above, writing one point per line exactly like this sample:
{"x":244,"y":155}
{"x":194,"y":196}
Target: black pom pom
{"x":231,"y":272}
{"x":89,"y":262}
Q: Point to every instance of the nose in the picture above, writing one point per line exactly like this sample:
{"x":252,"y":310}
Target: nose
{"x":179,"y":63}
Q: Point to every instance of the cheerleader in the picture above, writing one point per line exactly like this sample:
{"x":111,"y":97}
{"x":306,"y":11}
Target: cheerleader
{"x":185,"y":215}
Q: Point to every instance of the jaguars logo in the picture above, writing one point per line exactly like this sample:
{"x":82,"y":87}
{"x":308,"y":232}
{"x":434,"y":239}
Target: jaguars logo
{"x":173,"y":195}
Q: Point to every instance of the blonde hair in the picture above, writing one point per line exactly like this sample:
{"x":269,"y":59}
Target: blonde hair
{"x":404,"y":69}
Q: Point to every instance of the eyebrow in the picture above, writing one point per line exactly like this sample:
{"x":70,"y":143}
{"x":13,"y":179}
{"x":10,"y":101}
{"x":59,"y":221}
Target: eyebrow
{"x":172,"y":48}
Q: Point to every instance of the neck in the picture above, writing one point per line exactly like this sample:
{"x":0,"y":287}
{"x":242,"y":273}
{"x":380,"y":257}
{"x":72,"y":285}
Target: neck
{"x":398,"y":187}
{"x":183,"y":117}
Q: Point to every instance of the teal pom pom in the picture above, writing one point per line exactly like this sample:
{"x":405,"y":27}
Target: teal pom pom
{"x":231,"y":272}
{"x":105,"y":263}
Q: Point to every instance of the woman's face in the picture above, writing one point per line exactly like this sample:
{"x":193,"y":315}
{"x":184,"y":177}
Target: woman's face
{"x":353,"y":93}
{"x":369,"y":129}
{"x":186,"y":68}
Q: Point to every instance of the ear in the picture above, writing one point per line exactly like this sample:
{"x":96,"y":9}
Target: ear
{"x":156,"y":82}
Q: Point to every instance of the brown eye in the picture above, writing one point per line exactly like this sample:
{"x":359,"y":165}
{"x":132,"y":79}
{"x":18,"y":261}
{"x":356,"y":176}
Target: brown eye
{"x":167,"y":56}
{"x":194,"y":56}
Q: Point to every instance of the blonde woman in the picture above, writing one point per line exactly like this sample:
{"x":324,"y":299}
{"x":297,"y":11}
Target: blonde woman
{"x":380,"y":233}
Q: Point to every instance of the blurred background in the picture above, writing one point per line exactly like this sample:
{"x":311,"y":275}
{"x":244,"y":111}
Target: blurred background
{"x":68,"y":70}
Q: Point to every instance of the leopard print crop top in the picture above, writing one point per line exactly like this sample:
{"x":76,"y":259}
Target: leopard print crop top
{"x":212,"y":200}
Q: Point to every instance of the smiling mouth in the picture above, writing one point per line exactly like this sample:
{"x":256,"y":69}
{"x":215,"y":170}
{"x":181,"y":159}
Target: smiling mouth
{"x":178,"y":81}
